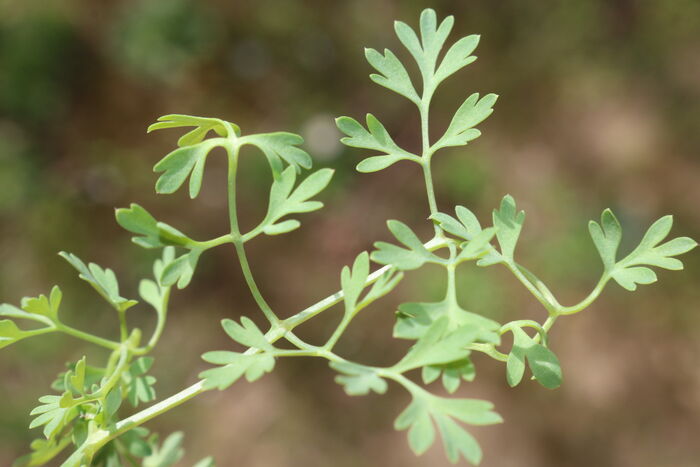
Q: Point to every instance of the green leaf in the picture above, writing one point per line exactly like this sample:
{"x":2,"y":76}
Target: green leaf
{"x":425,"y":409}
{"x":280,"y":146}
{"x":472,"y":112}
{"x":392,"y":75}
{"x":235,"y":365}
{"x":452,"y":373}
{"x":412,"y":257}
{"x":383,"y":286}
{"x":286,"y":200}
{"x":508,"y":222}
{"x":543,"y":363}
{"x":358,"y":380}
{"x":438,"y":346}
{"x":168,"y":454}
{"x":183,"y":162}
{"x":353,"y":281}
{"x":375,"y":138}
{"x":140,"y":385}
{"x":457,"y":57}
{"x":650,"y":252}
{"x":607,"y":237}
{"x":414,"y":319}
{"x":247,"y":334}
{"x":102,"y":280}
{"x":52,"y":416}
{"x":425,"y":52}
{"x":10,"y":333}
{"x":180,"y":270}
{"x":150,"y":232}
{"x":203,"y":126}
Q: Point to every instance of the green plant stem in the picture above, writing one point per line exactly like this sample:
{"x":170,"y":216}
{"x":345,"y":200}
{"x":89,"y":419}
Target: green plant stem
{"x":160,"y":325}
{"x":222,"y":240}
{"x":238,"y":241}
{"x":87,"y":337}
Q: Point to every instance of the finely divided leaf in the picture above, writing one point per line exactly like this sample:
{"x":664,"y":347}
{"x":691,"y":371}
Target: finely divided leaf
{"x":235,"y":365}
{"x":150,"y":232}
{"x":358,"y":380}
{"x":376,"y":139}
{"x":102,"y":280}
{"x":633,"y":269}
{"x":508,"y":222}
{"x":412,"y":257}
{"x":472,"y":112}
{"x":286,"y":200}
{"x":414,"y":319}
{"x":392,"y":75}
{"x":279,"y":146}
{"x":186,"y":161}
{"x":247,"y":334}
{"x":607,"y":237}
{"x":457,"y":57}
{"x":542,"y":361}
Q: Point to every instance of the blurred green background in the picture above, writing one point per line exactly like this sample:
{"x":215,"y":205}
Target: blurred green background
{"x":599,"y":107}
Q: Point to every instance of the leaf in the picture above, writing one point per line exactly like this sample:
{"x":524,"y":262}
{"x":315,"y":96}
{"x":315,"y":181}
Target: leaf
{"x":10,"y":333}
{"x":432,"y":40}
{"x":150,"y":232}
{"x":425,"y":409}
{"x":140,"y":385}
{"x":472,"y":112}
{"x":392,"y":75}
{"x":247,"y":334}
{"x":414,"y":319}
{"x":438,"y":346}
{"x":203,"y":125}
{"x":353,"y":281}
{"x":375,"y":138}
{"x":102,"y":280}
{"x":650,"y":252}
{"x":452,"y":373}
{"x":358,"y":380}
{"x":285,"y":199}
{"x":543,"y":363}
{"x":478,"y":247}
{"x":607,"y":237}
{"x":235,"y":365}
{"x":52,"y":416}
{"x":457,"y":441}
{"x":168,"y":454}
{"x":457,"y":57}
{"x":183,"y":162}
{"x":180,"y":270}
{"x":280,"y":146}
{"x":508,"y":223}
{"x":413,"y":257}
{"x":383,"y":286}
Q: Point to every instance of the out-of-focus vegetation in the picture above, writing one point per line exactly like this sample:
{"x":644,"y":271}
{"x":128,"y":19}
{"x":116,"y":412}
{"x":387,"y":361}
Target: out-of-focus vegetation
{"x":599,"y":107}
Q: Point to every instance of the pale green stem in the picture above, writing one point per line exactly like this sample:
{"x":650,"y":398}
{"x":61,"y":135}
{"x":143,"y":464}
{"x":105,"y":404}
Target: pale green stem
{"x":87,"y":337}
{"x":160,"y":325}
{"x":238,"y":242}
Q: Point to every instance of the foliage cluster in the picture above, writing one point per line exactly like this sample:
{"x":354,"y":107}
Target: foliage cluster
{"x":85,"y":412}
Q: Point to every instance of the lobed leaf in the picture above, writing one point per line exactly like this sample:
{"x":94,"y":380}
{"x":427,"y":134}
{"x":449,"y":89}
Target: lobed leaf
{"x":358,"y":380}
{"x":281,"y":146}
{"x":543,"y":363}
{"x":375,"y":138}
{"x":235,"y":365}
{"x":102,"y":280}
{"x":393,"y":74}
{"x":412,"y":257}
{"x":150,"y":232}
{"x":183,"y":162}
{"x":247,"y":334}
{"x":508,"y":223}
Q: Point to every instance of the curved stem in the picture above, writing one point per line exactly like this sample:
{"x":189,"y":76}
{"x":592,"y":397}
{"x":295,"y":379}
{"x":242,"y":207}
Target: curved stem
{"x":87,"y":337}
{"x":160,"y":324}
{"x":235,"y":237}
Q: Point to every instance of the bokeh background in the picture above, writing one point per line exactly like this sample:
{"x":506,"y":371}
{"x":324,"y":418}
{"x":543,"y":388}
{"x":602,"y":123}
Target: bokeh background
{"x":599,"y":107}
